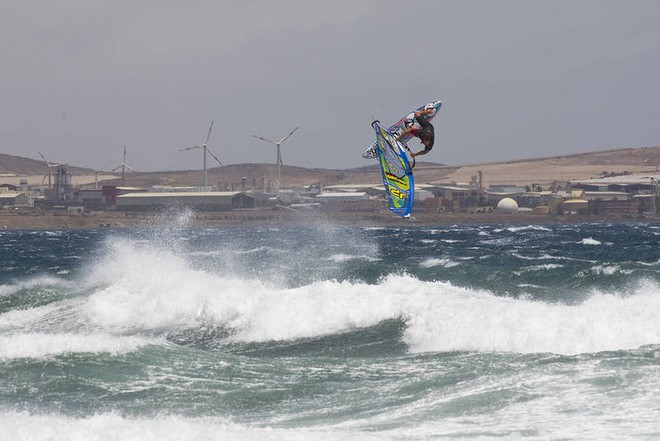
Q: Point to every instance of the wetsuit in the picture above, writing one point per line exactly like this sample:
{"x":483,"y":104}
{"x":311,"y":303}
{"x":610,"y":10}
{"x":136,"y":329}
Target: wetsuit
{"x":425,"y":128}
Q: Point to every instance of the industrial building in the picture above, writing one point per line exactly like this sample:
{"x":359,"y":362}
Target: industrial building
{"x":13,"y":199}
{"x":209,"y":201}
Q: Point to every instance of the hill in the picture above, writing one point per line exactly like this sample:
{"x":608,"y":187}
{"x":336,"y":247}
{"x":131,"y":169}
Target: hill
{"x":523,"y":171}
{"x":563,"y":168}
{"x":20,"y":166}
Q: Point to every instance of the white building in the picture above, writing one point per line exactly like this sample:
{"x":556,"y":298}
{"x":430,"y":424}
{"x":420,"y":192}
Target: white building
{"x":211,"y":200}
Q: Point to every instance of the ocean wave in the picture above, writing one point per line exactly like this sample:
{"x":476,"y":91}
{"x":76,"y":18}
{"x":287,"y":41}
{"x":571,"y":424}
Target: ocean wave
{"x":39,"y":345}
{"x":528,"y":228}
{"x":150,"y":290}
{"x":348,"y":257}
{"x":608,"y":270}
{"x":40,"y":281}
{"x":480,"y":321}
{"x":592,"y":241}
{"x":534,"y":268}
{"x":443,"y":262}
{"x":112,"y":426}
{"x":546,"y":256}
{"x":439,"y":316}
{"x":223,"y":252}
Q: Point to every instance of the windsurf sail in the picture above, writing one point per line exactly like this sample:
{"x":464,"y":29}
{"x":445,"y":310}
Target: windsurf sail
{"x":400,"y":125}
{"x":396,"y":171}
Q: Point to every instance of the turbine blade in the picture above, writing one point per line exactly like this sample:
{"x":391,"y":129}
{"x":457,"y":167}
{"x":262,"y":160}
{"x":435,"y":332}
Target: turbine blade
{"x":193,"y":147}
{"x":287,"y":136}
{"x":129,"y":168}
{"x":209,"y":134}
{"x":212,"y":154}
{"x":265,"y":139}
{"x":48,"y":164}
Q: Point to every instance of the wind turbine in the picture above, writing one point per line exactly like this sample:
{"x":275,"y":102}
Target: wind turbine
{"x":206,"y":149}
{"x":96,"y":177}
{"x":279,"y":153}
{"x":123,"y":167}
{"x":49,"y":165}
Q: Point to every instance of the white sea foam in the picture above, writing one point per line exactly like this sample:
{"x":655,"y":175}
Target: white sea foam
{"x":608,"y":270}
{"x":533,"y":268}
{"x":348,"y":257}
{"x":528,"y":228}
{"x":462,"y":319}
{"x":45,"y":345}
{"x":443,"y":262}
{"x":111,"y":426}
{"x":152,"y":290}
{"x":34,"y":282}
{"x":160,"y":291}
{"x":589,"y":241}
{"x":546,"y":256}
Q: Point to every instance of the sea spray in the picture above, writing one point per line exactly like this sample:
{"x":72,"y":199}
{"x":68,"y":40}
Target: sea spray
{"x":185,"y":333}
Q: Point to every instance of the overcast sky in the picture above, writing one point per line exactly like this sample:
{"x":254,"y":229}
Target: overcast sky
{"x":79,"y":79}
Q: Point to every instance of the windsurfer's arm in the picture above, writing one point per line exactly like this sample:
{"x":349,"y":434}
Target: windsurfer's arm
{"x":423,"y":152}
{"x":404,"y":133}
{"x":423,"y":112}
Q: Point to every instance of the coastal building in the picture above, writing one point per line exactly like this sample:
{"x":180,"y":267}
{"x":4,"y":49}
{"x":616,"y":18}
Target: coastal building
{"x":109,"y":193}
{"x":90,"y":198}
{"x":13,"y":199}
{"x":347,"y":201}
{"x":8,"y":187}
{"x":611,"y":202}
{"x":331,"y":197}
{"x":454,"y":198}
{"x":630,"y":183}
{"x":206,"y":201}
{"x":574,"y":206}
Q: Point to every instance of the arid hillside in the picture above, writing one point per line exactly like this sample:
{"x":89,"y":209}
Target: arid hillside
{"x":523,"y":172}
{"x":18,"y":165}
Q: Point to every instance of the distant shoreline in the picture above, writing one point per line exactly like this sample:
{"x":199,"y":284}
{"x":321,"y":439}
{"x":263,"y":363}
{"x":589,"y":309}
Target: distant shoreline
{"x":380,"y":218}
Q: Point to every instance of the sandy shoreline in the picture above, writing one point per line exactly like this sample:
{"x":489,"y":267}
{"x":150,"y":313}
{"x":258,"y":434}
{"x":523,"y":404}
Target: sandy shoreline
{"x":95,"y":220}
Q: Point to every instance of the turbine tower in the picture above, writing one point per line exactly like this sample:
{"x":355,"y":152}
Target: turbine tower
{"x":123,"y":167}
{"x":279,"y":153}
{"x":49,"y":165}
{"x":206,"y":149}
{"x":96,"y":177}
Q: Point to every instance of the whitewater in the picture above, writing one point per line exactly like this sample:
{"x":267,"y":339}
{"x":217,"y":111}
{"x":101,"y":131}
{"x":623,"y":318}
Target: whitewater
{"x":331,"y":332}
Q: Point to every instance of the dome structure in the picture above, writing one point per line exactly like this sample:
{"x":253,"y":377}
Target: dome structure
{"x":507,"y":205}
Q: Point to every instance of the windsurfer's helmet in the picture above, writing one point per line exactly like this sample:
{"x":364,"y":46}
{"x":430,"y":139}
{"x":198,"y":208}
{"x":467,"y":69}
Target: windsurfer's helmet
{"x":410,"y":119}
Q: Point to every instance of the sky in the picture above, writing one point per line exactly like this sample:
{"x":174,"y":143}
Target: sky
{"x":81,"y":79}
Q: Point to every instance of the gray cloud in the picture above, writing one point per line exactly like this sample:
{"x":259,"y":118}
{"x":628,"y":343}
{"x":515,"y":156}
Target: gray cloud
{"x":81,"y":79}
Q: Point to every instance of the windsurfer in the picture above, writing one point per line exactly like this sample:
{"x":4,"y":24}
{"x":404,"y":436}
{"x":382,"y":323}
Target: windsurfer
{"x":423,"y":130}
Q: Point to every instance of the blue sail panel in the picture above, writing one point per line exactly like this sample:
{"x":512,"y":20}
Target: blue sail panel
{"x":396,"y":172}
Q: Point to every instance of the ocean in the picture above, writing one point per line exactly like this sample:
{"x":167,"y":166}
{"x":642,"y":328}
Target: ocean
{"x":329,"y":332}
